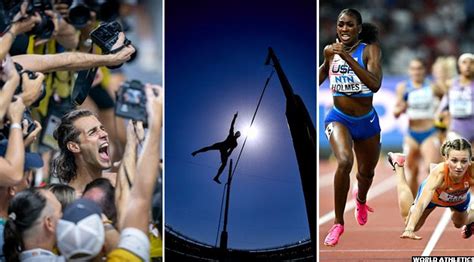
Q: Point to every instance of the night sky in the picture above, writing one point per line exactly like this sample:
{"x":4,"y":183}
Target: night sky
{"x":214,"y":66}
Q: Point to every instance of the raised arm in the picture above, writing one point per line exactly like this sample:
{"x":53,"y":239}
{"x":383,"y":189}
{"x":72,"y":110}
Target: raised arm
{"x":11,"y":79}
{"x":127,"y":171}
{"x":72,"y":61}
{"x":231,"y":130}
{"x":434,"y":181}
{"x":11,"y":167}
{"x":148,"y":166}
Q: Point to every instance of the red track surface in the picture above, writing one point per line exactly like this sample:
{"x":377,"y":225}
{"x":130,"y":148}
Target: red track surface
{"x":379,"y":238}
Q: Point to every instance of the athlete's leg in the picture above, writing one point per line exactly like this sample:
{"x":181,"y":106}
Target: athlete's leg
{"x":430,"y":152}
{"x":459,"y":218}
{"x":341,"y":145}
{"x":224,"y":158}
{"x":405,"y":196}
{"x":216,"y":146}
{"x":367,"y":154}
{"x":413,"y":160}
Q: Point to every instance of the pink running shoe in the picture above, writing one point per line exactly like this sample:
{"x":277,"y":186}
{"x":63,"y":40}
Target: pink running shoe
{"x":361,"y":210}
{"x":333,"y":235}
{"x":467,"y":230}
{"x":396,"y":159}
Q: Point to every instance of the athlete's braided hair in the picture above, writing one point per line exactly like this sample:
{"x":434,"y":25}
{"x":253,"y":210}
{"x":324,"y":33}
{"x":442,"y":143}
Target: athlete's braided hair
{"x":456,"y":144}
{"x":369,"y":33}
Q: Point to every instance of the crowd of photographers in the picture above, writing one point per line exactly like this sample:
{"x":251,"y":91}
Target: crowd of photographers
{"x":77,"y":180}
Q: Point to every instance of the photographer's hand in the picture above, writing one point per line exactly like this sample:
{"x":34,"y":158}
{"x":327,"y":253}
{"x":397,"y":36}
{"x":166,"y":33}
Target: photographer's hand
{"x":31,"y":88}
{"x":15,"y":111}
{"x":33,"y":135}
{"x":8,"y":71}
{"x":11,"y":78}
{"x":124,"y":54}
{"x":25,"y":25}
{"x":154,"y":95}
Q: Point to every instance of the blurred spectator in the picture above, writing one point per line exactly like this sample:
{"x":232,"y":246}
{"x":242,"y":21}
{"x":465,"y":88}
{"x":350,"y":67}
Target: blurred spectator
{"x":32,"y":162}
{"x":102,"y":192}
{"x":30,"y":231}
{"x":80,"y":233}
{"x":64,"y":193}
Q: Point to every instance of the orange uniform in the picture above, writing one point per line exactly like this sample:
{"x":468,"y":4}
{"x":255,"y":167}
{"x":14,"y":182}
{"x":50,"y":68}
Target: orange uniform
{"x":450,"y":193}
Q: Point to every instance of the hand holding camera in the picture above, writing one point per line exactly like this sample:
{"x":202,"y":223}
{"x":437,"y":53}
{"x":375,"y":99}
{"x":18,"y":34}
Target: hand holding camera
{"x":124,"y":51}
{"x":30,"y":136}
{"x":15,"y":111}
{"x":32,"y":87}
{"x":110,"y":38}
{"x":25,"y":25}
{"x":154,"y":96}
{"x":8,"y":70}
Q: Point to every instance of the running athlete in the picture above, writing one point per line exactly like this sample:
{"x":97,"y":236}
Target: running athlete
{"x":353,"y":65}
{"x":418,"y":98}
{"x":225,"y":148}
{"x":460,"y":100}
{"x":447,"y":185}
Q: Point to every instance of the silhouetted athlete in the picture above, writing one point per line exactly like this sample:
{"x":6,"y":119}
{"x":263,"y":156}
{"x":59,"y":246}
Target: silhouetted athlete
{"x":225,"y":148}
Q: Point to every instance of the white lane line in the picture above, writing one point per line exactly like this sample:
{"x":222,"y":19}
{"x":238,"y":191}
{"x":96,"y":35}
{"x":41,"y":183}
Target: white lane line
{"x":377,"y":190}
{"x":332,"y":250}
{"x":440,"y":227}
{"x":325,"y":180}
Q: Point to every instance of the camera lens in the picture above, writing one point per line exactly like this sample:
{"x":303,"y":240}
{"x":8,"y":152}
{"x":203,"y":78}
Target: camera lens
{"x":79,"y":14}
{"x":44,"y":29}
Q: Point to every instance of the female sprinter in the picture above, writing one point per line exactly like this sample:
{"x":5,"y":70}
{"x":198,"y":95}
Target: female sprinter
{"x":353,"y":65}
{"x":416,"y":97}
{"x":447,"y":185}
{"x":459,"y":100}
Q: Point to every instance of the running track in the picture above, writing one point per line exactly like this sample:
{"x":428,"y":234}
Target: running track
{"x":379,"y":238}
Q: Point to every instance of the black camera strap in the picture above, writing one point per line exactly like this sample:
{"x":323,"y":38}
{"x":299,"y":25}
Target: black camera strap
{"x":83,"y":85}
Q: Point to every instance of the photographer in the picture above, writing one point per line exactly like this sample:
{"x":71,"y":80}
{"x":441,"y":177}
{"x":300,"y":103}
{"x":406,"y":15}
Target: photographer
{"x":18,"y":26}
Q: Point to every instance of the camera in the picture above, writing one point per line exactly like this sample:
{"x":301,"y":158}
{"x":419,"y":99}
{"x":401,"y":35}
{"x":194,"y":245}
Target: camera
{"x":106,"y":35}
{"x":79,"y":11}
{"x":9,"y":9}
{"x":5,"y":132}
{"x":131,"y":101}
{"x":19,"y":88}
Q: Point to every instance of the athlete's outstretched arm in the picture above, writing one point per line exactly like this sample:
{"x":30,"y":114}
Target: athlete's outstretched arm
{"x":231,"y":130}
{"x":435,"y":179}
{"x":372,"y":77}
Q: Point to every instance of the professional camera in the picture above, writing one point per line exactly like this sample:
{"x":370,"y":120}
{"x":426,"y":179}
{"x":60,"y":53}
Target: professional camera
{"x":9,"y":10}
{"x":79,"y":11}
{"x":5,"y":132}
{"x":19,"y":88}
{"x":131,"y":101}
{"x":106,"y":35}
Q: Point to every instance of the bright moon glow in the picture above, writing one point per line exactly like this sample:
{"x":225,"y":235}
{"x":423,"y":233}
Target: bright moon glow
{"x":251,"y":132}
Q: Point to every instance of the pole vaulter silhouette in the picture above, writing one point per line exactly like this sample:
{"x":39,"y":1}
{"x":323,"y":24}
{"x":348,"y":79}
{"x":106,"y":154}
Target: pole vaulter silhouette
{"x":225,"y":148}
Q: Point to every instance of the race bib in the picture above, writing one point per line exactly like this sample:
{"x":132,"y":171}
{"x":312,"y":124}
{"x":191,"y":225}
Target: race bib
{"x":421,"y":104}
{"x":460,"y":103}
{"x":452,"y":198}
